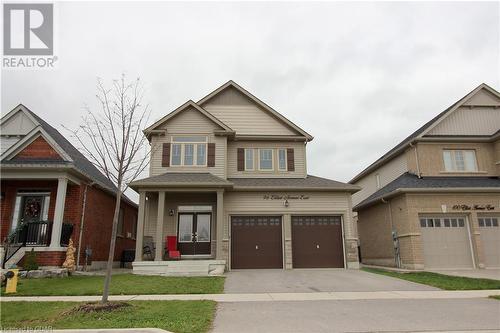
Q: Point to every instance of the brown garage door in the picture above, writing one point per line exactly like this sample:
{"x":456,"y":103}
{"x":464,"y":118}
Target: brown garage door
{"x":256,"y":242}
{"x":317,"y":242}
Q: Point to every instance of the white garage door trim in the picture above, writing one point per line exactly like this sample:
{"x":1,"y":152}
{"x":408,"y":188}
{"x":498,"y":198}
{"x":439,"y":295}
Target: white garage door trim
{"x":446,"y":222}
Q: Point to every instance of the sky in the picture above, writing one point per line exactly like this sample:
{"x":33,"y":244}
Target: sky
{"x":359,"y":76}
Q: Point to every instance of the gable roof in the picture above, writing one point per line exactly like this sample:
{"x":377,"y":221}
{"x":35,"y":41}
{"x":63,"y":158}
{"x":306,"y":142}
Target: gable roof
{"x":420,"y":132}
{"x":257,"y":101}
{"x":312,"y":183}
{"x":408,"y":182}
{"x":183,"y":107}
{"x":76,"y":159}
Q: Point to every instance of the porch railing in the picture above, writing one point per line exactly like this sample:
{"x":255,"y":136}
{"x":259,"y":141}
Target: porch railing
{"x":34,"y":234}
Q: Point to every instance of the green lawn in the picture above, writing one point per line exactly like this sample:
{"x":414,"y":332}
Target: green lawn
{"x":495,"y":297}
{"x":441,"y":281}
{"x":175,"y":316}
{"x":121,"y":284}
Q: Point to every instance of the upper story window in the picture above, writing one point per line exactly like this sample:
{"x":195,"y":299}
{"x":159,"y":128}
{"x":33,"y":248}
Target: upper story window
{"x":266,"y":159}
{"x":282,"y":160}
{"x":249,"y":165}
{"x":189,"y":151}
{"x":459,"y":160}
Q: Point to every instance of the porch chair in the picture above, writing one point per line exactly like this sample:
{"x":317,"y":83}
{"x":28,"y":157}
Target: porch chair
{"x":149,"y":247}
{"x":171,"y":248}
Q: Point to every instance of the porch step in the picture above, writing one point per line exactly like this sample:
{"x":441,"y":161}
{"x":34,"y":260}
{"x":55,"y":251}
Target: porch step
{"x":16,"y":258}
{"x":180,"y":268}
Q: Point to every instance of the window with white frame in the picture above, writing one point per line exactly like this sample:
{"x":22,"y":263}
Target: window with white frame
{"x":189,"y":151}
{"x":459,"y":160}
{"x":265,"y":159}
{"x":282,"y":163}
{"x":249,"y":165}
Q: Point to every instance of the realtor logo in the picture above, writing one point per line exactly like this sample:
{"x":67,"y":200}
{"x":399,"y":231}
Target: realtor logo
{"x":28,"y":29}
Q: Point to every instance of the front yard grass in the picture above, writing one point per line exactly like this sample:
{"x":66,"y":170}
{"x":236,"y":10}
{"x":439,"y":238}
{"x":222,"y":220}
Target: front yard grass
{"x":446,"y":282}
{"x":175,"y":316}
{"x":121,"y":284}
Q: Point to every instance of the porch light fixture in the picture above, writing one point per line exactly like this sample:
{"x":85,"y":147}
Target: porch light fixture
{"x":171,"y":212}
{"x":286,"y":203}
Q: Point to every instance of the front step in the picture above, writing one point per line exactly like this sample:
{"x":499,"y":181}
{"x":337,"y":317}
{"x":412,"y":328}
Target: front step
{"x":180,"y":268}
{"x":15,"y":258}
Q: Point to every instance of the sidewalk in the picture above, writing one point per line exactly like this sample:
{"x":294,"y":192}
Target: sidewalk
{"x":272,"y":297}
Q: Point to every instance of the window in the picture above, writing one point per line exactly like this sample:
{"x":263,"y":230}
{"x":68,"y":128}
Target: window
{"x":488,"y":222}
{"x":120,"y":223}
{"x":189,"y":151}
{"x":443,"y":222}
{"x":265,"y":159}
{"x":249,"y":159}
{"x":459,"y":160}
{"x":282,"y":159}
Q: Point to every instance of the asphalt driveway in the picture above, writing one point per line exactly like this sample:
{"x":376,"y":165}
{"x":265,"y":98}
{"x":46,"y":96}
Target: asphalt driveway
{"x":313,"y":280}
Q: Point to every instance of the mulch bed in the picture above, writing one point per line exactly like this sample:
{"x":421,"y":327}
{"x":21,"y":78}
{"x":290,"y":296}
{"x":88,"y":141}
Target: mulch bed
{"x":94,"y":307}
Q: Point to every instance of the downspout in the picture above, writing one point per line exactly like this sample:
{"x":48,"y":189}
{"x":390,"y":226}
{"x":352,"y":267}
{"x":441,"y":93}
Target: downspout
{"x":397,"y":258}
{"x":416,"y":159}
{"x":82,"y":220}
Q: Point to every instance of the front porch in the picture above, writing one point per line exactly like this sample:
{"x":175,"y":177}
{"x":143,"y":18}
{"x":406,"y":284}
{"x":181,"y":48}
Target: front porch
{"x":193,"y":220}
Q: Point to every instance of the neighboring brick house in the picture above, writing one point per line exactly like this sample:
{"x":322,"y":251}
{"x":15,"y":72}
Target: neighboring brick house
{"x":51,"y":192}
{"x":433,"y":201}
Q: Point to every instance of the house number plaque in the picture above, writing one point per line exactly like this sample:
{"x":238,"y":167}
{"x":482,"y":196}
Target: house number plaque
{"x":285,"y":197}
{"x":473,"y":207}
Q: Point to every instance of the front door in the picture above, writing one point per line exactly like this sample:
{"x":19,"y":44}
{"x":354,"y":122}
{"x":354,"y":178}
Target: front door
{"x":32,"y":208}
{"x":194,"y":233}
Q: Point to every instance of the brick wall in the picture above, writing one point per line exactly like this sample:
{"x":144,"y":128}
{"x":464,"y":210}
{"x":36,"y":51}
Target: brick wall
{"x":38,"y":149}
{"x":47,"y":258}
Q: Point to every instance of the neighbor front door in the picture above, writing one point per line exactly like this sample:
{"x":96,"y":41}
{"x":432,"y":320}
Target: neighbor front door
{"x":194,"y":233}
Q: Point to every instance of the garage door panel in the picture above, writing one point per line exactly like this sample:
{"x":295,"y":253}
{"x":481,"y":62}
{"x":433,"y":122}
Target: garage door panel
{"x":256,"y":242}
{"x":446,"y":242}
{"x":490,"y":238}
{"x":317,"y":242}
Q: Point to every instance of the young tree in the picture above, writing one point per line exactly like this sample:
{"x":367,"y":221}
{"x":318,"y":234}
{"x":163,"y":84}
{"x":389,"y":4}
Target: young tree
{"x":112,"y":139}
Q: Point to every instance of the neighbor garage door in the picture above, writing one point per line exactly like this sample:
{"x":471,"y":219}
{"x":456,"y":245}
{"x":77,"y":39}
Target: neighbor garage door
{"x":446,"y":242}
{"x":256,"y":242}
{"x":317,"y":242}
{"x":490,"y":238}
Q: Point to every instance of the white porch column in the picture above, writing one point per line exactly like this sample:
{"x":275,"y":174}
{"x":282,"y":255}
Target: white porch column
{"x":220,"y":225}
{"x":139,"y":238}
{"x":159,"y":227}
{"x":62,"y":185}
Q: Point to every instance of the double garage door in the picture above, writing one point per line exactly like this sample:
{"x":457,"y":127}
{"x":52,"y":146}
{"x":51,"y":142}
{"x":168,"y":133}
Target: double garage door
{"x":257,"y":242}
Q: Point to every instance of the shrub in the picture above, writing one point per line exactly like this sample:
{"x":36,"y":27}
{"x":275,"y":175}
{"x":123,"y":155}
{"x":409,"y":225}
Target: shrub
{"x":30,"y":263}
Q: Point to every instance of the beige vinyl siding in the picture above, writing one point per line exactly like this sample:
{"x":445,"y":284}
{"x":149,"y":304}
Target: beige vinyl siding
{"x":157,"y":149}
{"x":7,"y":141}
{"x":387,"y":173}
{"x":244,"y":116}
{"x":469,"y":121}
{"x":483,"y":98}
{"x":188,"y":122}
{"x":318,"y":203}
{"x":299,"y":152}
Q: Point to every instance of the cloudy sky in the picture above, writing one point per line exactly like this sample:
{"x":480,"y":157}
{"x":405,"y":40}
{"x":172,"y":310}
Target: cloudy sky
{"x":358,"y":76}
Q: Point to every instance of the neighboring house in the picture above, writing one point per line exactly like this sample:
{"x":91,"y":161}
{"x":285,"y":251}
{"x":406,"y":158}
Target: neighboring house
{"x":228,"y":178}
{"x":432,"y":202}
{"x":51,"y":192}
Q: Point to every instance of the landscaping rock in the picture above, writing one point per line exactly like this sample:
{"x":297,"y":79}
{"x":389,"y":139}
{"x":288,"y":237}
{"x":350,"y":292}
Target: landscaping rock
{"x":35,"y":274}
{"x":23,"y":274}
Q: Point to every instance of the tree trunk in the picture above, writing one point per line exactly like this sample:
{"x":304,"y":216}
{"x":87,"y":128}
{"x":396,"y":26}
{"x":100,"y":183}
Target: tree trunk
{"x":112,"y":244}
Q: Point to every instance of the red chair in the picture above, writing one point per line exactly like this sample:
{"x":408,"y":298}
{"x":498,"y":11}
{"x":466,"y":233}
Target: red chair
{"x":172,"y":251}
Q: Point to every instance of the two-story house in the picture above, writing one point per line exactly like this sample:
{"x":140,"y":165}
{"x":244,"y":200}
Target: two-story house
{"x":433,"y":201}
{"x":229,"y":185}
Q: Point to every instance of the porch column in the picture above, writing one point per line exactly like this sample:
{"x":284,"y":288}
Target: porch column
{"x":139,"y":238}
{"x":220,"y":225}
{"x":159,"y":227}
{"x":62,"y":185}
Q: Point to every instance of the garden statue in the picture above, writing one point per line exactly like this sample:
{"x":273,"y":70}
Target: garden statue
{"x":69,"y":263}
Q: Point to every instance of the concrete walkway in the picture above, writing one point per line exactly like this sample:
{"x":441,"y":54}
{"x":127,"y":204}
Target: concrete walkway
{"x":273,"y":297}
{"x":473,"y":273}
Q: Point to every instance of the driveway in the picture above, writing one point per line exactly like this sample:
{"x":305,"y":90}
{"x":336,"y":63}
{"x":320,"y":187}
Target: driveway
{"x":313,"y":280}
{"x":473,"y":273}
{"x":359,"y":316}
